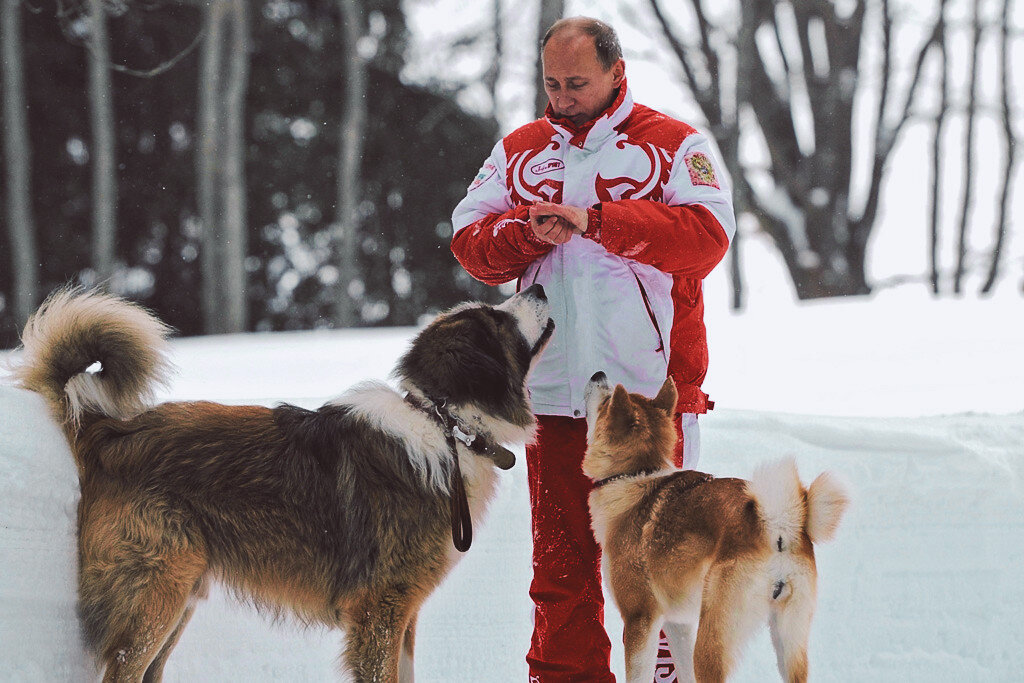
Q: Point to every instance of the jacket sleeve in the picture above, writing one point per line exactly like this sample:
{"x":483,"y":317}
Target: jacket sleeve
{"x":493,"y":240}
{"x":686,"y":234}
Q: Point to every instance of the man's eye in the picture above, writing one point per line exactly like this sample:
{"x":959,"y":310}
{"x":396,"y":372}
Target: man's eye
{"x":577,"y":86}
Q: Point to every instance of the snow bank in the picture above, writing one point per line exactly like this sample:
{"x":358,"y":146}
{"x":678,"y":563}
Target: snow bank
{"x":924,"y":582}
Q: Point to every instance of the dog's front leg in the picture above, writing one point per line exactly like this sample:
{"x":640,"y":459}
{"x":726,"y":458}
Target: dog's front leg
{"x":640,"y":641}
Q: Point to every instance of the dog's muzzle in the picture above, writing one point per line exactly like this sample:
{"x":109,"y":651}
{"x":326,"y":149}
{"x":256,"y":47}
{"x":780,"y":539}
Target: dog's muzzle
{"x":549,"y":329}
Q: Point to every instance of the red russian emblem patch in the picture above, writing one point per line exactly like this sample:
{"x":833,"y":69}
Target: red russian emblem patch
{"x":701,"y":170}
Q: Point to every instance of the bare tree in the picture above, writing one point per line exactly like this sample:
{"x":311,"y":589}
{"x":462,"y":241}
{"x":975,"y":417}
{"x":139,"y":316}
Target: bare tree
{"x":802,"y":199}
{"x":494,"y":71}
{"x":351,"y":141}
{"x":235,"y":229}
{"x":940,"y":121}
{"x":104,"y":158}
{"x":550,"y":12}
{"x":1011,"y":147}
{"x":220,"y":163}
{"x":208,"y":150}
{"x":968,"y":175}
{"x":18,"y":165}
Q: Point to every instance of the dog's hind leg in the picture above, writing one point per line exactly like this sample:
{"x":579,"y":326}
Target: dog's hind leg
{"x":405,"y":665}
{"x":144,"y":633}
{"x":136,"y":578}
{"x":790,"y":626}
{"x":734,"y":606}
{"x":640,"y":640}
{"x":155,"y":671}
{"x":681,"y":639}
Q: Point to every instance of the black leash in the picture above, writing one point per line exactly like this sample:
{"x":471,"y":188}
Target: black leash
{"x":462,"y":522}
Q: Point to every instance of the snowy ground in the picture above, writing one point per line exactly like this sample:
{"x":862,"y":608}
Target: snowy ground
{"x":917,"y":403}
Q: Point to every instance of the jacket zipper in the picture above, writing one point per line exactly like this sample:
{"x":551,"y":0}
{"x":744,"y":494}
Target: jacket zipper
{"x":650,"y":312}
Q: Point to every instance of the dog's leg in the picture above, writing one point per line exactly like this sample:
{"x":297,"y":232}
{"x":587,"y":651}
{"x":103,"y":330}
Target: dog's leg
{"x":155,"y":672}
{"x":735,"y":605}
{"x":790,"y":626}
{"x":374,"y":637}
{"x":144,"y":635}
{"x":405,"y":665}
{"x":681,"y":639}
{"x":640,"y":641}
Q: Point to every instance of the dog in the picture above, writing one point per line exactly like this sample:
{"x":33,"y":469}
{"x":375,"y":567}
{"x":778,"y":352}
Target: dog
{"x":341,"y":515}
{"x":705,"y":559}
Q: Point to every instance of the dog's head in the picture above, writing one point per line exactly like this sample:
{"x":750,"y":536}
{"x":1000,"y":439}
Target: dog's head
{"x":628,"y":433}
{"x":476,"y":358}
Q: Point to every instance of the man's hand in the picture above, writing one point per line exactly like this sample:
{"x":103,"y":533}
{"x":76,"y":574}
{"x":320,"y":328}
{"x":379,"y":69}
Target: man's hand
{"x":557,"y":223}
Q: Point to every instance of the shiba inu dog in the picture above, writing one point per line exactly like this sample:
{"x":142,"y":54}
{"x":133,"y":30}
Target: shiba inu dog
{"x":706,"y":559}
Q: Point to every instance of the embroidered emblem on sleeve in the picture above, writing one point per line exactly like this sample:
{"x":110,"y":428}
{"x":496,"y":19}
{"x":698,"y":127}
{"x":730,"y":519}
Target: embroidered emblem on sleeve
{"x":701,"y":170}
{"x":483,"y":175}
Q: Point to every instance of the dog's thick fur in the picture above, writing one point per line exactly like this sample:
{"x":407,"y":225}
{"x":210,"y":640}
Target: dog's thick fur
{"x":705,"y":559}
{"x":340,"y":515}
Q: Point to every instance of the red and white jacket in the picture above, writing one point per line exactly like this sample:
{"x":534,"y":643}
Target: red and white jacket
{"x":626,"y":296}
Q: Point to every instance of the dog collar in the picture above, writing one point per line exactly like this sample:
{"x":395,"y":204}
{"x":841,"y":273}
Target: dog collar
{"x":704,"y":478}
{"x":627,"y":475}
{"x":453,"y":427}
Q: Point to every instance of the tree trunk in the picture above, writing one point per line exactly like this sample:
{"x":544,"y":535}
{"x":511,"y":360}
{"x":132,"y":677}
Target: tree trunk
{"x":234,"y":234}
{"x":494,"y":72}
{"x":18,"y":166}
{"x":1011,"y":148}
{"x":208,"y":159}
{"x":968,"y":188}
{"x":940,"y":121}
{"x":550,"y":12}
{"x":351,"y":140}
{"x":104,"y":168}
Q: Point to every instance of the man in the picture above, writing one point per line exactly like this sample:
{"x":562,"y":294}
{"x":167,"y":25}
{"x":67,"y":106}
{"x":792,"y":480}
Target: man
{"x":620,"y":212}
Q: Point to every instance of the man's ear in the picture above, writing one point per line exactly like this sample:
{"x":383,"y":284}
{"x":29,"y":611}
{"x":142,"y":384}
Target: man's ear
{"x":666,"y":398}
{"x":618,"y":72}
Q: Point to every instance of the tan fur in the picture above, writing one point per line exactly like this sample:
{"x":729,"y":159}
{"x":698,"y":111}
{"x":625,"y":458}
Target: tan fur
{"x":695,"y":556}
{"x":340,"y":516}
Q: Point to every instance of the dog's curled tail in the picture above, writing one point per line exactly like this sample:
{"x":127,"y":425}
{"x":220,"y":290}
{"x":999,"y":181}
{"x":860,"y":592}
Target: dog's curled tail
{"x":787,"y":511}
{"x":75,"y":329}
{"x":827,"y":500}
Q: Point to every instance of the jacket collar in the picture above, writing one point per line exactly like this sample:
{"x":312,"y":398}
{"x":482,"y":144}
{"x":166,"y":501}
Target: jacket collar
{"x":598,"y":129}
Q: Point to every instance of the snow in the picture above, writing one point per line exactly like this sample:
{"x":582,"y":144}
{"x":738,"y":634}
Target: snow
{"x":916,"y":403}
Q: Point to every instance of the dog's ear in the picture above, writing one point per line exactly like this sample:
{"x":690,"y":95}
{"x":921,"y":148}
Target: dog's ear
{"x":666,"y":398}
{"x":621,"y":410}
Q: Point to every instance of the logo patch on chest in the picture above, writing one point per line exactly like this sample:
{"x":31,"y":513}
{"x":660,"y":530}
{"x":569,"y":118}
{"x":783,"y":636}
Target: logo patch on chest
{"x":701,"y":170}
{"x":547,"y":166}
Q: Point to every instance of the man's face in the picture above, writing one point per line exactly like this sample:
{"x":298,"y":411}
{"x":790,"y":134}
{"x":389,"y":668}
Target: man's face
{"x":578,"y":87}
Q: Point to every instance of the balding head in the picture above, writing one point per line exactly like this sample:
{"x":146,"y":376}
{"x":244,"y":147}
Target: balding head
{"x":605,"y":40}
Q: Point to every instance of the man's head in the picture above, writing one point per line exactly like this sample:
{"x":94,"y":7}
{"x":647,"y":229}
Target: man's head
{"x":583,"y":67}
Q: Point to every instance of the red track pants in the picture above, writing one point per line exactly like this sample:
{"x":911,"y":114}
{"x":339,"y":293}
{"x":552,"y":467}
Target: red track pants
{"x":569,"y":640}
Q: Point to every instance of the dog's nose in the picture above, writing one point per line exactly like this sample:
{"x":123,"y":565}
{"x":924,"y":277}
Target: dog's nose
{"x":535,"y":291}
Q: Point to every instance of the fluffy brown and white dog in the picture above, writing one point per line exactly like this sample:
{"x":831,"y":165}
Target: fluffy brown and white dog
{"x":706,"y":559}
{"x":340,"y":515}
